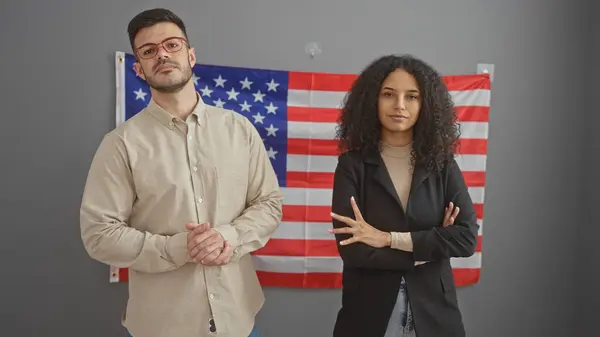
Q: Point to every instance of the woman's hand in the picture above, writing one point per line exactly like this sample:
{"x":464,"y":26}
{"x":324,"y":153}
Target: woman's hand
{"x":450,"y":215}
{"x":361,"y":231}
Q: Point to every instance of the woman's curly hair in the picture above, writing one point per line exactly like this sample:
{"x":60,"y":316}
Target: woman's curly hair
{"x":436,"y":132}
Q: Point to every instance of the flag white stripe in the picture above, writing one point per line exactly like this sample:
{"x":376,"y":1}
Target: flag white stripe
{"x":334,"y":99}
{"x":472,"y":162}
{"x":303,"y":231}
{"x":312,"y":264}
{"x":322,"y":196}
{"x":316,"y":130}
{"x":474,"y":130}
{"x":327,"y":164}
{"x":478,"y":97}
{"x":313,"y":230}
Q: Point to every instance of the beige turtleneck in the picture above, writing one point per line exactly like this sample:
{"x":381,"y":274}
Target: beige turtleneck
{"x":397,"y":162}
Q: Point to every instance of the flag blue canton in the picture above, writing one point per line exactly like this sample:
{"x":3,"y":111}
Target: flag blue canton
{"x":259,"y":95}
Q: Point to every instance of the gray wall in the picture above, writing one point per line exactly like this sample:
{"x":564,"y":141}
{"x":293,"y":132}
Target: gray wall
{"x":57,"y":92}
{"x":588,"y":297}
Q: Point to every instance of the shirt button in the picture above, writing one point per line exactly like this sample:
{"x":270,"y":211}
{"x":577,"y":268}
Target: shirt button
{"x":212,"y":296}
{"x":171,"y":124}
{"x":195,"y":168}
{"x":199,"y":200}
{"x":190,"y":137}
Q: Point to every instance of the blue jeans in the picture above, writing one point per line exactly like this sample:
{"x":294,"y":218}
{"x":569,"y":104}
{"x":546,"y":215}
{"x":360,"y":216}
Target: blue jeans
{"x":253,"y":333}
{"x":401,"y":323}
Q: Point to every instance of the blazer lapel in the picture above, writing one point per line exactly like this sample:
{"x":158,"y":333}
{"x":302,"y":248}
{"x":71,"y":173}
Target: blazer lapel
{"x":419,"y":175}
{"x":382,"y":176}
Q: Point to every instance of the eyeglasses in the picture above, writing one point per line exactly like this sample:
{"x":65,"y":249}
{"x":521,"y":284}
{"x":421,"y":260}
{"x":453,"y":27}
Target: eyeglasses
{"x":171,"y":45}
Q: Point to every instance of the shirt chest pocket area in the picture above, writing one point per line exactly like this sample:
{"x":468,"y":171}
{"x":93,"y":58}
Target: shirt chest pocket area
{"x":232,"y":187}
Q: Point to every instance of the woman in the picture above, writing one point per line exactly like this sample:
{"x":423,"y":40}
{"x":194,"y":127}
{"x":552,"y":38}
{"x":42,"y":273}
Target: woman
{"x":400,"y":206}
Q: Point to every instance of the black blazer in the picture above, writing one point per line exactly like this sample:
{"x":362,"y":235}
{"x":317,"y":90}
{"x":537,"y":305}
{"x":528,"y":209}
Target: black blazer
{"x":372,"y":276}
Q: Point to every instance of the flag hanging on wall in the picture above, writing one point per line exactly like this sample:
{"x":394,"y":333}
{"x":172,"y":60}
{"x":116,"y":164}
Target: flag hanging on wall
{"x":296,"y":113}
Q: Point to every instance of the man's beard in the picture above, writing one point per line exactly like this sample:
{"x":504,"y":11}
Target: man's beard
{"x":175,"y":85}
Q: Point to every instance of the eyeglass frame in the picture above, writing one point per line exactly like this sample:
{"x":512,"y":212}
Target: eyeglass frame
{"x":161,"y":44}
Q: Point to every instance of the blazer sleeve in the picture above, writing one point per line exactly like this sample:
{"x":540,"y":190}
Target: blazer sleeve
{"x":457,"y":240}
{"x":360,"y":255}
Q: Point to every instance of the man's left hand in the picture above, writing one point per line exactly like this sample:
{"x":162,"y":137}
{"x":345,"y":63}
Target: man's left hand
{"x":223,"y":258}
{"x":208,"y":247}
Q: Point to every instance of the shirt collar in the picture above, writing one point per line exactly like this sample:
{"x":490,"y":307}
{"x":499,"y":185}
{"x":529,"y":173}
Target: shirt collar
{"x":168,"y":119}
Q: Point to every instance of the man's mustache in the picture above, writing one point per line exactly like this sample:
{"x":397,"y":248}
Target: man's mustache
{"x":166,"y":62}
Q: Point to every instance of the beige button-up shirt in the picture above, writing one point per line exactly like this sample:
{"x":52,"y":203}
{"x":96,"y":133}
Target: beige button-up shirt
{"x":153,"y":174}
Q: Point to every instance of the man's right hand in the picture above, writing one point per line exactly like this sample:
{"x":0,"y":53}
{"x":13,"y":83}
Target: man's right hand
{"x":211,"y":255}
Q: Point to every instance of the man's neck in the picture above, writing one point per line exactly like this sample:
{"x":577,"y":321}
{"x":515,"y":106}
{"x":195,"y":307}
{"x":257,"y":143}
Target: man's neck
{"x":179,"y":104}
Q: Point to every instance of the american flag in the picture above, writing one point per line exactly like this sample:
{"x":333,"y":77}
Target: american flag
{"x":296,"y":113}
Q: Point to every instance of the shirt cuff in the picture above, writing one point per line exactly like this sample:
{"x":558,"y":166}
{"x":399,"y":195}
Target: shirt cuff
{"x":177,"y":249}
{"x":229,"y":234}
{"x":402,"y":241}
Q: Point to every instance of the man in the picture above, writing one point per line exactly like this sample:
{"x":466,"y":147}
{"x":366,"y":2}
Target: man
{"x":180,"y":194}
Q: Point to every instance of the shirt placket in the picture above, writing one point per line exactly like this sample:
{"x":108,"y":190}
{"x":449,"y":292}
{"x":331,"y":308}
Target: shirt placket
{"x":211,"y":275}
{"x":189,"y":129}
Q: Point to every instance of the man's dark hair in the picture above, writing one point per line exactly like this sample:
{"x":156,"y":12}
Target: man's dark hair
{"x":436,"y":131}
{"x":151,"y":17}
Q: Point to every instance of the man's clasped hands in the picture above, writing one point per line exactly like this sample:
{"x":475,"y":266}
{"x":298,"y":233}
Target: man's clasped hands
{"x":207,"y":246}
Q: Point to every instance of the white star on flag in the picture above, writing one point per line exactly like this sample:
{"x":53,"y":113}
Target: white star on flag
{"x":258,"y":118}
{"x":220,"y":82}
{"x":206,"y":91}
{"x":258,"y":96}
{"x":140,"y":94}
{"x":272,"y":85}
{"x":245,"y":106}
{"x":271,"y":153}
{"x":271,"y":108}
{"x":219,"y":103}
{"x":271,"y":130}
{"x":246,"y":84}
{"x":232,"y":94}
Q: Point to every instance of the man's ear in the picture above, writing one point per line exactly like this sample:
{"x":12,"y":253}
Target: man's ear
{"x":192,"y":56}
{"x":138,"y":70}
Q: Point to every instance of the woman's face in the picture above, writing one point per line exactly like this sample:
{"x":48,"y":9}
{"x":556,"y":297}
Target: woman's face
{"x":399,"y":104}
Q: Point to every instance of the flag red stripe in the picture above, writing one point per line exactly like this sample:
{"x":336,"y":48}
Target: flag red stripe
{"x":472,"y":146}
{"x":466,"y":276}
{"x":329,"y":147}
{"x":305,"y":280}
{"x":466,"y":113}
{"x":298,"y":247}
{"x":309,"y":114}
{"x":309,"y":179}
{"x":343,"y":82}
{"x":296,"y":213}
{"x":468,"y":82}
{"x":478,"y":210}
{"x":473,"y":178}
{"x":123,"y":274}
{"x":469,"y":113}
{"x":316,"y":147}
{"x":462,"y":277}
{"x":320,"y":81}
{"x":325,"y":179}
